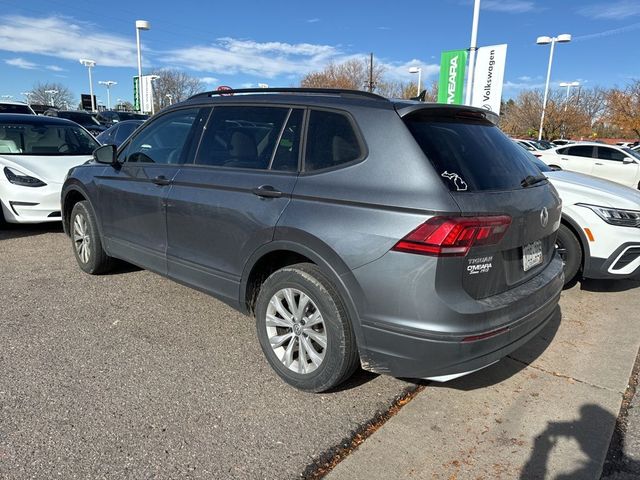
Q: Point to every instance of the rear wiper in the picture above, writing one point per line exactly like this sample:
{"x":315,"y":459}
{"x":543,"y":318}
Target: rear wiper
{"x":530,"y":180}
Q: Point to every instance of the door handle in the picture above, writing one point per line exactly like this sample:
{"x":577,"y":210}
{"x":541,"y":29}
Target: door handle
{"x":266,"y":191}
{"x":562,"y":158}
{"x":598,"y":163}
{"x":161,"y":180}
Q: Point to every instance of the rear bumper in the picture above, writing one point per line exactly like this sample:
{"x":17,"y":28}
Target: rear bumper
{"x":450,"y":339}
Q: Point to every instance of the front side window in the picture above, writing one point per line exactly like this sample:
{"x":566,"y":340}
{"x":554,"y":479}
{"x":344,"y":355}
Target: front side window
{"x":123,"y":132}
{"x":45,"y":139}
{"x":605,"y":153}
{"x":164,"y":140}
{"x":580,"y":151}
{"x":242,"y":137}
{"x":331,"y":141}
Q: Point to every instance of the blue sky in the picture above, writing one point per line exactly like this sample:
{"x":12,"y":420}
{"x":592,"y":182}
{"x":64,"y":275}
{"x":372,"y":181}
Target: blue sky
{"x":245,"y":43}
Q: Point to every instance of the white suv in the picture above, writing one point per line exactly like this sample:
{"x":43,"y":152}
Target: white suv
{"x":611,"y":162}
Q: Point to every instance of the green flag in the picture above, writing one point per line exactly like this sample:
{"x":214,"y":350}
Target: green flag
{"x":451,"y":84}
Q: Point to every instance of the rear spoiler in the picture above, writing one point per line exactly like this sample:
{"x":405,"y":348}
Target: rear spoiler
{"x":444,"y":110}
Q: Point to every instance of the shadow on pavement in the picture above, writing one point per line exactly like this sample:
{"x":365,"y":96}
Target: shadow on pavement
{"x":592,"y":422}
{"x":360,"y":377}
{"x":510,"y":365}
{"x":10,"y":231}
{"x":593,"y":285}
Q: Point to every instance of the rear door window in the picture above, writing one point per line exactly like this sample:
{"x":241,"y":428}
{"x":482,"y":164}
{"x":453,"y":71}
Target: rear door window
{"x":331,"y":141}
{"x":605,"y":153}
{"x":468,"y":152}
{"x":580,"y":151}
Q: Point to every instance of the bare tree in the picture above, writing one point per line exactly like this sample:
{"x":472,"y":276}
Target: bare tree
{"x":51,"y":93}
{"x":173,"y":86}
{"x":352,"y":74}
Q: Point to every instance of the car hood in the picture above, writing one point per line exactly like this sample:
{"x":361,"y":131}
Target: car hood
{"x":579,"y":188}
{"x":49,"y":168}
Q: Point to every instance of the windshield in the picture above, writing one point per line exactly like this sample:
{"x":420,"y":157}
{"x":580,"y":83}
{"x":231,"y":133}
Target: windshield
{"x":634,"y":153}
{"x":79,"y":117}
{"x":470,"y":154}
{"x":543,"y":167}
{"x":12,"y":108}
{"x":44,"y":139}
{"x":131,"y":116}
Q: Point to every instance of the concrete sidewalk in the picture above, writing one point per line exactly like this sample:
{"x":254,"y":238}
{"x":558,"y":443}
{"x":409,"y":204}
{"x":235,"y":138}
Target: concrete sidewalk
{"x":547,"y":411}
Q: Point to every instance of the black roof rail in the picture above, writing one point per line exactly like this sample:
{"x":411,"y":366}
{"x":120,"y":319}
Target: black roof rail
{"x":313,"y":91}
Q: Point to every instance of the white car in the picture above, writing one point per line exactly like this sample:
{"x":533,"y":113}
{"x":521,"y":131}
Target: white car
{"x":599,"y":235}
{"x":611,"y":162}
{"x":35,"y":155}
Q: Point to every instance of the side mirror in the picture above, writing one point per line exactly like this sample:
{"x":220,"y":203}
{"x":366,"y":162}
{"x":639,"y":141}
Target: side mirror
{"x":628,"y":160}
{"x":106,"y":154}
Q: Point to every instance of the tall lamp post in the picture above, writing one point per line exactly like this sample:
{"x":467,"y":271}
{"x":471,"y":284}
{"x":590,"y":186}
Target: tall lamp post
{"x":140,"y":25}
{"x":27,"y":95}
{"x":90,"y":64}
{"x":417,"y":70}
{"x":568,"y":85}
{"x":51,"y":94}
{"x":564,"y":38}
{"x":472,"y":50}
{"x":170,"y":98}
{"x":108,"y":84}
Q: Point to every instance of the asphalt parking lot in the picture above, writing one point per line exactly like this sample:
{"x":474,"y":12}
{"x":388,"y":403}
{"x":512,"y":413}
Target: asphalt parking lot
{"x":130,"y":375}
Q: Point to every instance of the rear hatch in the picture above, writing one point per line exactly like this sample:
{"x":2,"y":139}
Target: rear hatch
{"x":489,"y":175}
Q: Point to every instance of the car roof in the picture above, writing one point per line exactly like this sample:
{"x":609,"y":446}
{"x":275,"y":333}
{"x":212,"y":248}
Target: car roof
{"x":33,"y":119}
{"x":322,"y":97}
{"x":11,"y":102}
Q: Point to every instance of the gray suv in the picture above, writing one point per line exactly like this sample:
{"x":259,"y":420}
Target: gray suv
{"x":412,"y":239}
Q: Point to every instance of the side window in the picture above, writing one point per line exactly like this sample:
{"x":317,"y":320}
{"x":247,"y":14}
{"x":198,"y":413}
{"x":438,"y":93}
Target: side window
{"x":163,"y":140}
{"x":605,"y":153}
{"x":241,"y":137}
{"x":331,"y":141}
{"x":562,"y":151}
{"x":580,"y":151}
{"x":123,"y":132}
{"x":287,"y":151}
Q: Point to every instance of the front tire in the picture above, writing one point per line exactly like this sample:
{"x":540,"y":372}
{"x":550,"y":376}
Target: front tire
{"x":570,"y":251}
{"x":86,"y":241}
{"x":304,"y":329}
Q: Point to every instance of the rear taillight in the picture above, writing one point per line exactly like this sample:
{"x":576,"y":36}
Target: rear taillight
{"x":454,"y":236}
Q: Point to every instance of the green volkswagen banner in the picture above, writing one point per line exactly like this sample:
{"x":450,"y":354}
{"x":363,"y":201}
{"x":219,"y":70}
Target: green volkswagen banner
{"x":451,"y":84}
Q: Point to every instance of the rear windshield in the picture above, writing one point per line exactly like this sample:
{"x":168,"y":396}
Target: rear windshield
{"x":470,"y":153}
{"x":79,"y":117}
{"x":11,"y":108}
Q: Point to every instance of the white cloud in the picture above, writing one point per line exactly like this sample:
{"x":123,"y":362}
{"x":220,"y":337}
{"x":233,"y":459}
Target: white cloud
{"x":54,"y":68}
{"x":21,"y":63}
{"x":513,"y":6}
{"x":65,"y":38}
{"x":400,"y":71}
{"x":208,"y":80}
{"x":525,"y":78}
{"x":617,"y":10}
{"x":313,"y":20}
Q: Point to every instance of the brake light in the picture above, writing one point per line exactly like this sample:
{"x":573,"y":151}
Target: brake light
{"x":454,"y":236}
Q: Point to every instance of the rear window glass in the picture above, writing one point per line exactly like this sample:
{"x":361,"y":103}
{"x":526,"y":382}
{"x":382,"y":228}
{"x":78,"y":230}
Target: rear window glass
{"x":11,"y":108}
{"x":470,"y":154}
{"x":579,"y":151}
{"x":331,"y":141}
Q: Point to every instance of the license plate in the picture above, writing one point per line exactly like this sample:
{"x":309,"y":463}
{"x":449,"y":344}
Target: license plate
{"x":532,"y":255}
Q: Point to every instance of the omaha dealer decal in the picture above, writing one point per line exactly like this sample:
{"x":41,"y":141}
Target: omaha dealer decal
{"x":488,"y":77}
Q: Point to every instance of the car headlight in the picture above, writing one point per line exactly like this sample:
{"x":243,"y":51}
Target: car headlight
{"x":18,"y":178}
{"x":616,"y":216}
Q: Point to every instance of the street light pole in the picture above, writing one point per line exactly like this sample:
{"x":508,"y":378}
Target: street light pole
{"x":90,"y":64}
{"x":417,"y":70}
{"x":170,"y":97}
{"x":140,"y":25}
{"x":108,"y":84}
{"x":564,"y":38}
{"x":51,"y":94}
{"x":472,"y":50}
{"x":568,"y":85}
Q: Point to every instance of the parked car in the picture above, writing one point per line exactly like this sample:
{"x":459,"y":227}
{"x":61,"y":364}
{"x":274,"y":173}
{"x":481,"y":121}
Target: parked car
{"x":36,"y":153}
{"x":82,"y":118}
{"x":414,"y":239}
{"x":111,"y":117}
{"x":561,"y":141}
{"x":532,"y":146}
{"x":118,"y":133}
{"x":611,"y":162}
{"x":599,"y":235}
{"x":15,"y":107}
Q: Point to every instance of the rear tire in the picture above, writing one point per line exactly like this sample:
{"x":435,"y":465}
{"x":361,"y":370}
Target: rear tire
{"x":570,"y":250}
{"x":304,"y":329}
{"x":86,"y":241}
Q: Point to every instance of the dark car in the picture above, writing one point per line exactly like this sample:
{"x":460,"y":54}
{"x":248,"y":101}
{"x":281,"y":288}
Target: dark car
{"x":111,"y":117}
{"x":119,"y":132}
{"x":410,"y":238}
{"x":84,"y":119}
{"x":15,"y":107}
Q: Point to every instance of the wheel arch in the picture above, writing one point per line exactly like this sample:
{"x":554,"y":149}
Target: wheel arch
{"x":572,"y":225}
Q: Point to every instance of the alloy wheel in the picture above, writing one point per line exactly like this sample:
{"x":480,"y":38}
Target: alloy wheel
{"x":81,"y":238}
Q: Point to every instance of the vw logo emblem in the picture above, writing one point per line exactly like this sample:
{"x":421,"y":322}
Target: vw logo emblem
{"x":544,"y":217}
